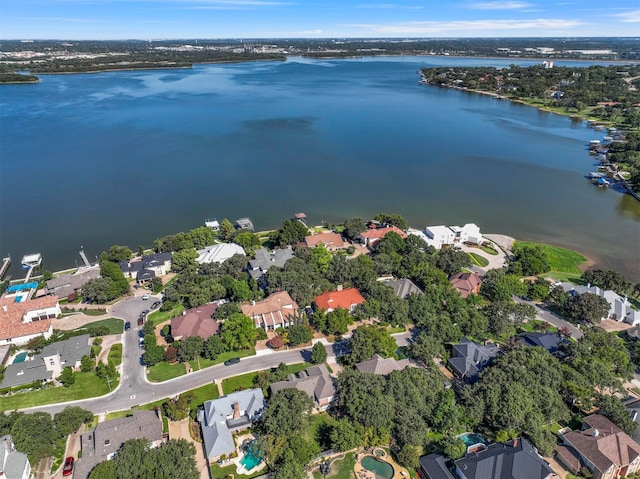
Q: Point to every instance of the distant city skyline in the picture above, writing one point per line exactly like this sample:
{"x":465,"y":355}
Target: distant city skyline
{"x":218,"y":19}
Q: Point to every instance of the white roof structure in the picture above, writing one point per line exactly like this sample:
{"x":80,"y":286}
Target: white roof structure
{"x":619,"y":307}
{"x":219,"y":253}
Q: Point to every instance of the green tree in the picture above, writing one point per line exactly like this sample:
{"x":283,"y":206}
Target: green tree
{"x":35,"y":435}
{"x":70,"y":419}
{"x":455,"y":448}
{"x":338,"y":321}
{"x":292,"y":232}
{"x":238,"y":332}
{"x":497,"y":285}
{"x":299,"y":334}
{"x":227,"y":231}
{"x":287,"y":413}
{"x":87,"y":363}
{"x":452,"y":261}
{"x":104,"y":470}
{"x":248,"y":240}
{"x":346,"y":435}
{"x":318,"y":354}
{"x":425,"y":347}
{"x":608,"y":279}
{"x":190,"y":348}
{"x":184,"y":260}
{"x":587,"y":307}
{"x":320,"y":258}
{"x":529,"y":260}
{"x":67,"y":378}
{"x":213,"y":346}
{"x":369,"y":340}
{"x":119,"y":253}
{"x":392,"y":220}
{"x":614,"y":410}
{"x":353,"y":227}
{"x":409,"y":456}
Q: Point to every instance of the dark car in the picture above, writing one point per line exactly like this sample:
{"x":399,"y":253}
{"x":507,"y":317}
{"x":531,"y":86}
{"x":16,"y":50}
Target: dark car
{"x":231,"y":361}
{"x":156,"y":304}
{"x":127,"y":326}
{"x":141,"y":321}
{"x":68,"y":466}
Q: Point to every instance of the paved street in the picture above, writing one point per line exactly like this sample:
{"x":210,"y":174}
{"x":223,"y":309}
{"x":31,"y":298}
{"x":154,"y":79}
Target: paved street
{"x":552,"y":319}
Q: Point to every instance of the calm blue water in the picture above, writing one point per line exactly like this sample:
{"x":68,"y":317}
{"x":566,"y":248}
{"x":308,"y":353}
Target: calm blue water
{"x":382,"y":469}
{"x":471,"y":439}
{"x":126,"y":157}
{"x":251,"y":457}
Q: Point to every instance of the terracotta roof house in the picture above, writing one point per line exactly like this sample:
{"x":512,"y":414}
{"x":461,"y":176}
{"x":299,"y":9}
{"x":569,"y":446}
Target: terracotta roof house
{"x":219,"y":253}
{"x":372,"y":236}
{"x":516,"y":459}
{"x":382,"y":366}
{"x":315,"y":381}
{"x":24,"y":320}
{"x":13,"y":464}
{"x":103,"y":441}
{"x":66,"y":284}
{"x":48,"y":365}
{"x":469,"y":358}
{"x":195,"y":322}
{"x":403,"y":287}
{"x":466,"y":283}
{"x":343,"y":298}
{"x":265,"y":259}
{"x":147,"y":267}
{"x":220,"y":418}
{"x":603,"y":447}
{"x":332,"y":241}
{"x":548,"y":341}
{"x":276,"y":311}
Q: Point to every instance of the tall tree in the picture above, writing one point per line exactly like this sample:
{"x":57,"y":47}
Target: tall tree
{"x":238,"y":332}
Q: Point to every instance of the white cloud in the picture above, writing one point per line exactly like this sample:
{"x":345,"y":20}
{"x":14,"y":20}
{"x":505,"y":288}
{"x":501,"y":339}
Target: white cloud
{"x":499,"y":5}
{"x":632,"y":16}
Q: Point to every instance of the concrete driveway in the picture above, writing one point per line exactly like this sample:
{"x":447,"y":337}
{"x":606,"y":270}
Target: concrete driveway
{"x":496,"y":261}
{"x":180,"y":430}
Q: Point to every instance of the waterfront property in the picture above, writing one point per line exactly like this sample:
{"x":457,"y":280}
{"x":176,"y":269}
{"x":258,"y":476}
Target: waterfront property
{"x":219,"y":253}
{"x":65,"y":285}
{"x":221,"y":418}
{"x":265,"y":259}
{"x":330,"y":240}
{"x":619,"y":306}
{"x":13,"y":463}
{"x":342,"y":298}
{"x":277,"y":310}
{"x":315,"y":381}
{"x":372,"y":236}
{"x":146,"y":268}
{"x":103,"y":441}
{"x":24,"y":320}
{"x":439,"y":236}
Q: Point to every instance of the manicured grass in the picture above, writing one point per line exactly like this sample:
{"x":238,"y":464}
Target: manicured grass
{"x":116,"y":326}
{"x":489,"y":250}
{"x":205,"y":363}
{"x":165,"y":371}
{"x":119,"y":414}
{"x":158,"y":317}
{"x":218,"y":472}
{"x":202,"y":394}
{"x":531,"y":326}
{"x":115,"y":354}
{"x":560,"y":259}
{"x":563,"y":277}
{"x":478,"y":260}
{"x":245,"y":381}
{"x":340,"y":469}
{"x":87,"y":385}
{"x":396,"y":329}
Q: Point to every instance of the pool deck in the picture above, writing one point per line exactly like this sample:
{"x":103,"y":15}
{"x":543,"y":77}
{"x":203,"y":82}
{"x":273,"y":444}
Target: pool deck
{"x":240,"y":469}
{"x":399,"y":472}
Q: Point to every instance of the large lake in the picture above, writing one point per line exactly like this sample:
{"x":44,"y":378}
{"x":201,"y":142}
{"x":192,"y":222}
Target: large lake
{"x":126,"y":157}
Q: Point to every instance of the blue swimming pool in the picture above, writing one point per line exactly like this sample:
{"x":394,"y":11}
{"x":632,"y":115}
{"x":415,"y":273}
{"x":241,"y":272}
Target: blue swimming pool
{"x":472,"y":439}
{"x":20,"y":358}
{"x":252,"y":456}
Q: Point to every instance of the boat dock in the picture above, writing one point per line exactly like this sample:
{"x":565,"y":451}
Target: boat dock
{"x":6,"y":262}
{"x":30,"y":262}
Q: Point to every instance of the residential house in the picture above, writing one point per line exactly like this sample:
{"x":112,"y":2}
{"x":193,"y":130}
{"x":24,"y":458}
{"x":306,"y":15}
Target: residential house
{"x":601,"y":446}
{"x":277,"y":310}
{"x":466,"y":283}
{"x":65,"y":285}
{"x":195,"y":322}
{"x":619,"y":307}
{"x":403,"y":287}
{"x":13,"y":464}
{"x":219,"y":253}
{"x":265,"y":259}
{"x":469,"y":358}
{"x":147,"y":267}
{"x":315,"y":381}
{"x":516,"y":459}
{"x":330,"y":240}
{"x":548,"y":341}
{"x":48,"y":365}
{"x":372,"y":236}
{"x":382,"y":366}
{"x":220,"y":418}
{"x":101,"y":443}
{"x":632,"y":405}
{"x":24,"y":320}
{"x":342,"y":298}
{"x":439,"y":236}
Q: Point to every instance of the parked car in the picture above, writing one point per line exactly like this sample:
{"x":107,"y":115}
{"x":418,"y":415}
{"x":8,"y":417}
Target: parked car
{"x":146,"y":296}
{"x":141,"y":342}
{"x":141,"y":321}
{"x":67,"y":469}
{"x":156,"y":304}
{"x":231,"y":361}
{"x":127,"y":326}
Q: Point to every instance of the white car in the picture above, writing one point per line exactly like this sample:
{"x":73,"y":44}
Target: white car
{"x":146,"y":296}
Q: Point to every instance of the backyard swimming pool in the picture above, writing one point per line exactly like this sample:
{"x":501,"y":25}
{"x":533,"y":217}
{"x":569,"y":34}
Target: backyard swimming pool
{"x":20,"y":358}
{"x":472,"y":440}
{"x":382,"y":469}
{"x":252,"y":456}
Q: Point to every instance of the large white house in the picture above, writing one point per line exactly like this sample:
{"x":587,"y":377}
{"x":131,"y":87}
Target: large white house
{"x":439,"y":236}
{"x":219,"y":253}
{"x":619,"y":306}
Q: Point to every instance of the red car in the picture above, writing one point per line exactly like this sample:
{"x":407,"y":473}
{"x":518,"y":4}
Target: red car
{"x":68,"y":466}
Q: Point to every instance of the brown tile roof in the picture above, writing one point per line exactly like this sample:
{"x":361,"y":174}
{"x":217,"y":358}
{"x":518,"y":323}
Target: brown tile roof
{"x":379,"y":233}
{"x":11,"y":314}
{"x":273,"y":310}
{"x":330,"y":240}
{"x":195,"y":322}
{"x":339,"y":299}
{"x":603,"y":443}
{"x":466,"y":283}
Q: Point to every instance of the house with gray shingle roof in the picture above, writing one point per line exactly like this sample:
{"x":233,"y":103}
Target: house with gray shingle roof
{"x":103,"y":441}
{"x":469,"y":358}
{"x":220,"y":418}
{"x":315,"y":381}
{"x":49,"y":363}
{"x":13,"y":464}
{"x":382,"y":366}
{"x":619,"y":306}
{"x":265,"y":259}
{"x":403,"y":287}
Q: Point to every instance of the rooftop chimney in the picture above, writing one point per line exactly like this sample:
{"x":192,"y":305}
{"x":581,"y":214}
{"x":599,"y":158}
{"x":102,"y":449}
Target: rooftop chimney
{"x":339,"y":287}
{"x":236,"y":410}
{"x":595,"y":433}
{"x":515,"y":442}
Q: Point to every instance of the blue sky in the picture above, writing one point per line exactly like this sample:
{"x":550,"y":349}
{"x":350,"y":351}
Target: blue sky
{"x":170,"y":19}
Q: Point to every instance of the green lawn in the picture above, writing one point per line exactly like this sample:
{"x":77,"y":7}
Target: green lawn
{"x":319,"y":429}
{"x":205,"y":363}
{"x":158,"y":317}
{"x":165,"y":371}
{"x":340,"y":469}
{"x":115,"y":354}
{"x":87,"y":385}
{"x":116,"y":326}
{"x":489,"y":250}
{"x":218,"y":472}
{"x":478,"y":260}
{"x":561,"y":260}
{"x":245,"y":381}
